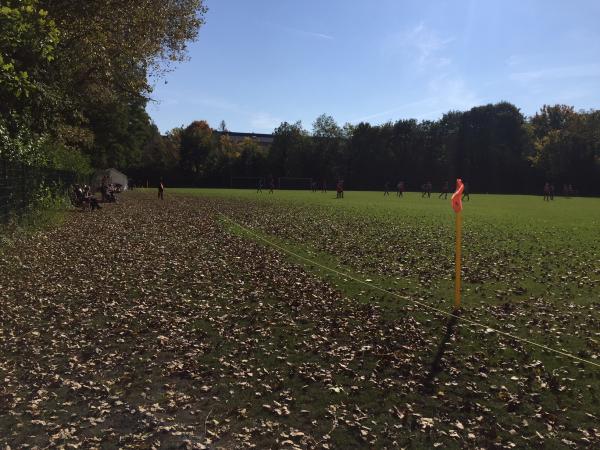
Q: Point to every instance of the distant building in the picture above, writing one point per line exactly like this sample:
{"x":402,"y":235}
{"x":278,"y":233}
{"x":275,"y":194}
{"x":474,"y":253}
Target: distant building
{"x":263,"y":139}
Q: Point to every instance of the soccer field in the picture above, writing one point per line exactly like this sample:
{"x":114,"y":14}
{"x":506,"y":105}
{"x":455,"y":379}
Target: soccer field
{"x":515,"y":248}
{"x":530,"y":269}
{"x":230,"y":319}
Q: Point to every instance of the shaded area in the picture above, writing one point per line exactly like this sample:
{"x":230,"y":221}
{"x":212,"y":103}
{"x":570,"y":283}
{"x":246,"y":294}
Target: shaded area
{"x":436,"y":366}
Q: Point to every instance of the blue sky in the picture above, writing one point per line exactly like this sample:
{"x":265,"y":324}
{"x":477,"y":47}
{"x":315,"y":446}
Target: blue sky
{"x":258,"y":63}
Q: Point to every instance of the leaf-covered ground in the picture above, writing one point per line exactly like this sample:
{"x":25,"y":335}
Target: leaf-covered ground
{"x":515,"y":262}
{"x":156,"y":324}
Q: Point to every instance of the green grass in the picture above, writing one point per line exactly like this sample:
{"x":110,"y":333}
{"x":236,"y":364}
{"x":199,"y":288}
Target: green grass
{"x":574,"y":212}
{"x":31,"y":222}
{"x":515,"y":247}
{"x":532,"y":268}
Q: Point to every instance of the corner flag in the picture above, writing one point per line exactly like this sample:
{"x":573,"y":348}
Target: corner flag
{"x":457,"y":196}
{"x":457,"y":206}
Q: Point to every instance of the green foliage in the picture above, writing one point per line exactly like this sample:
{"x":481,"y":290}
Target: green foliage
{"x":74,"y":77}
{"x":20,"y":144}
{"x":159,"y":152}
{"x":122,"y":129}
{"x":492,"y":142}
{"x":103,"y":62}
{"x":289,"y":149}
{"x":196,"y":144}
{"x":567,"y":145}
{"x":67,"y":159}
{"x":24,"y":147}
{"x":252,"y":158}
{"x":28,"y":39}
{"x":325,"y":126}
{"x":28,"y":43}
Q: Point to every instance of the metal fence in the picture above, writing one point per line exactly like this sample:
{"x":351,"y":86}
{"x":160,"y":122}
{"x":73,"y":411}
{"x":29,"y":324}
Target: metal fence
{"x":21,"y":187}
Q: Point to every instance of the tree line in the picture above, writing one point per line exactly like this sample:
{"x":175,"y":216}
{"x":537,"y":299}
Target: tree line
{"x":494,"y":147}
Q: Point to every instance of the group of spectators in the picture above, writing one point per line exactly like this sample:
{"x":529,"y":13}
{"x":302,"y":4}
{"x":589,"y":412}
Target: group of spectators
{"x":109,"y":190}
{"x":83,"y":197}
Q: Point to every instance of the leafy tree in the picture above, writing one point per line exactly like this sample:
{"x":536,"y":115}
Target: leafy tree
{"x":328,"y":142}
{"x":196,"y":143}
{"x":557,"y":117}
{"x":159,"y":153}
{"x":107,"y":52}
{"x":491,"y":147}
{"x":110,"y":46}
{"x":28,"y":39}
{"x":252,"y":160}
{"x":28,"y":43}
{"x":286,"y":153}
{"x":325,"y":126}
{"x":567,"y":146}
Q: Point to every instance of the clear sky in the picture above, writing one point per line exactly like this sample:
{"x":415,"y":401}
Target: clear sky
{"x":258,"y":63}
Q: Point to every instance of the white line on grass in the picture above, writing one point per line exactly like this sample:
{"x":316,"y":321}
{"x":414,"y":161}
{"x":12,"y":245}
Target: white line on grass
{"x":403,"y":297}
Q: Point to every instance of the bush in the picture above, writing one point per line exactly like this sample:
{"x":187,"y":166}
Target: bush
{"x":60,"y":157}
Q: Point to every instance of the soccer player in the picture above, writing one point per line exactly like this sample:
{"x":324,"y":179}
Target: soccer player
{"x":427,"y":189}
{"x":466,"y":191}
{"x":260,"y":185}
{"x":386,"y":189}
{"x":161,"y":190}
{"x":547,"y":192}
{"x":400,"y":189}
{"x":271,"y":185}
{"x":340,"y":189}
{"x":445,"y":189}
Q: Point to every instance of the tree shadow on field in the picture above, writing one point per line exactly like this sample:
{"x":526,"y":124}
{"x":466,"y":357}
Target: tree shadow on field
{"x":435,"y":369}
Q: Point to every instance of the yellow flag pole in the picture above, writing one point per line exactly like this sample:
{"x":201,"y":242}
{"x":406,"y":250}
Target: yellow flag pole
{"x":457,"y":260}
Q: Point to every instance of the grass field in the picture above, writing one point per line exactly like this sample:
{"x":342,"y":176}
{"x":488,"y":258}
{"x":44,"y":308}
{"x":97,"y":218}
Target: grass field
{"x":515,"y":247}
{"x":530,"y":268}
{"x":173,"y":325}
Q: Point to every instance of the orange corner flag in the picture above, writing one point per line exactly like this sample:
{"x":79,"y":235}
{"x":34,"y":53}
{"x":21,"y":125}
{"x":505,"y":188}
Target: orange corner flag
{"x":457,"y":196}
{"x":457,"y":206}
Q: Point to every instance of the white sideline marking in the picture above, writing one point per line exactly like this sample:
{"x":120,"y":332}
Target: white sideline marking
{"x":393,"y":294}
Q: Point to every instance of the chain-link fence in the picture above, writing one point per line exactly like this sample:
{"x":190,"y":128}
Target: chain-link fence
{"x":23,"y":187}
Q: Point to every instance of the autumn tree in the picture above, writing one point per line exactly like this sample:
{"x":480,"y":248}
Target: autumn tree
{"x":196,"y":144}
{"x":79,"y":73}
